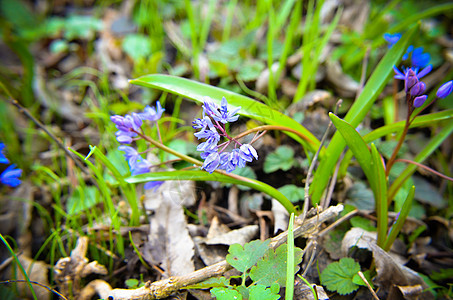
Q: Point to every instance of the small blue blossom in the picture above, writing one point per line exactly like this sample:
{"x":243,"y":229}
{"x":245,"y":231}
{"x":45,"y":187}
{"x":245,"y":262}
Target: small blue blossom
{"x":11,"y":176}
{"x":420,"y":59}
{"x":211,"y":162}
{"x":127,"y":126}
{"x":418,"y":89}
{"x":403,"y":74}
{"x":392,"y":38}
{"x":3,"y":158}
{"x":445,"y":90}
{"x":247,"y":152}
{"x":152,"y":114}
{"x":141,"y":166}
{"x":223,"y":115}
{"x":418,"y":101}
{"x":131,"y":155}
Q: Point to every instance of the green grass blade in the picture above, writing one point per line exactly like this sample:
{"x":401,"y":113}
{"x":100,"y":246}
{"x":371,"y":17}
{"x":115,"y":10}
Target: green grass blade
{"x":407,"y":22}
{"x":21,"y":268}
{"x":356,"y":144}
{"x":357,"y":112}
{"x":380,"y":195}
{"x":249,"y":108}
{"x":289,"y":292}
{"x":404,"y":212}
{"x":198,"y":175}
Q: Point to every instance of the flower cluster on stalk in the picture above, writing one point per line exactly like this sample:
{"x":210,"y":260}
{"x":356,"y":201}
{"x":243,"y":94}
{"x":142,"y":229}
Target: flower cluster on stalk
{"x":420,"y":67}
{"x":10,"y":176}
{"x":211,"y":128}
{"x":128,"y":128}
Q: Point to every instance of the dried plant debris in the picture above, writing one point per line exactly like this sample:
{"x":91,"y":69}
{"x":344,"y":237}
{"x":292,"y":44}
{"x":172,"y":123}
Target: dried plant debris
{"x":69,"y":271}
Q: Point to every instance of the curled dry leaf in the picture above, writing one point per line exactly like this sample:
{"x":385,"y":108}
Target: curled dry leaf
{"x":391,"y":274}
{"x":169,"y":244}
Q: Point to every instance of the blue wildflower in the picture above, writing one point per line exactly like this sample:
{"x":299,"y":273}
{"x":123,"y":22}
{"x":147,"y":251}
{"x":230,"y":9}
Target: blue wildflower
{"x":418,"y":89}
{"x":223,"y":115}
{"x":392,"y":38}
{"x":403,"y":74}
{"x":152,"y":114}
{"x":130,"y":154}
{"x":445,"y":89}
{"x":3,"y":158}
{"x":418,"y":101}
{"x":211,"y":162}
{"x":420,"y":59}
{"x":127,"y":127}
{"x":247,"y":152}
{"x":11,"y":176}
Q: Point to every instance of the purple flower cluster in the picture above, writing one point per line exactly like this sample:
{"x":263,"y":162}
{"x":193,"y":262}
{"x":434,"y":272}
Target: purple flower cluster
{"x":211,"y":128}
{"x":413,"y":87}
{"x":11,"y":175}
{"x":128,"y":128}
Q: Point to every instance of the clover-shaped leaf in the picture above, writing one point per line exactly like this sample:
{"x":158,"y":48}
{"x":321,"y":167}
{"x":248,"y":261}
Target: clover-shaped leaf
{"x":338,"y":276}
{"x":272,"y":268}
{"x":243,"y":259}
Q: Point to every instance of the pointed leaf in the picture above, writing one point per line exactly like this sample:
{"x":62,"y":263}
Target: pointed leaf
{"x":250,"y":108}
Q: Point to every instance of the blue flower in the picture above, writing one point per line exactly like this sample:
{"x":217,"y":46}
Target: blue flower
{"x":3,"y":158}
{"x":209,"y":107}
{"x":418,"y":101}
{"x":392,"y":38}
{"x":445,"y":89}
{"x":11,"y":176}
{"x":152,"y":114}
{"x":418,"y":89}
{"x":211,"y":162}
{"x":127,"y":126}
{"x":131,"y":155}
{"x":247,"y":152}
{"x":420,"y":59}
{"x":223,"y":115}
{"x":403,"y":74}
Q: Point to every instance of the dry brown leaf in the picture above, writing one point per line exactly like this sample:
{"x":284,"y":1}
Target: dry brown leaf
{"x":169,"y":243}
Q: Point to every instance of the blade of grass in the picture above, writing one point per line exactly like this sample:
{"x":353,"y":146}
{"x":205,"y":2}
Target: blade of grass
{"x":380,"y":195}
{"x":19,"y":265}
{"x":289,"y":291}
{"x":402,"y":215}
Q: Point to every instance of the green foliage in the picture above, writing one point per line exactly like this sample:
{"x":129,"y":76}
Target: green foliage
{"x":281,"y":159}
{"x":137,"y":46}
{"x":272,"y":268}
{"x":338,"y":276}
{"x":225,"y":293}
{"x":292,"y":192}
{"x":243,"y":258}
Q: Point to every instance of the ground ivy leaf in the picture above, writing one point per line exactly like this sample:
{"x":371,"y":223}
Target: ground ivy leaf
{"x":261,"y":292}
{"x":292,"y":192}
{"x":272,"y":268}
{"x":222,"y":293}
{"x":243,"y":259}
{"x":338,"y":276}
{"x":282,"y":158}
